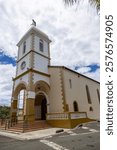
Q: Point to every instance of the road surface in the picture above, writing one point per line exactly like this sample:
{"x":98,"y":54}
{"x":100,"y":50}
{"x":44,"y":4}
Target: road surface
{"x":86,"y":137}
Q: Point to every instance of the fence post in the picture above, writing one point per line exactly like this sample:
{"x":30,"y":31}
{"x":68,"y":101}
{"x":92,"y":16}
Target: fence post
{"x":6,"y":124}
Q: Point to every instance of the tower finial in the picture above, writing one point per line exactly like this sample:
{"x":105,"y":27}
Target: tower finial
{"x":33,"y":22}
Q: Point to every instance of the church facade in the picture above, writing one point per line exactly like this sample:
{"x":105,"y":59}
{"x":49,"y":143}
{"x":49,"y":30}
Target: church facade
{"x":57,"y":94}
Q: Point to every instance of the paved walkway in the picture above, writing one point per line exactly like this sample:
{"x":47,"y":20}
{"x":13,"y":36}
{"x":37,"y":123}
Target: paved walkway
{"x":31,"y":135}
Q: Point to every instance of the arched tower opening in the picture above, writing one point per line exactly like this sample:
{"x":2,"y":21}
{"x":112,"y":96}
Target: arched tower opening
{"x":41,"y":104}
{"x":18,"y":102}
{"x":40,"y":107}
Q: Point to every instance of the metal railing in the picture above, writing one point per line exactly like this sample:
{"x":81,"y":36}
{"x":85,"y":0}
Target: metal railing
{"x":9,"y":123}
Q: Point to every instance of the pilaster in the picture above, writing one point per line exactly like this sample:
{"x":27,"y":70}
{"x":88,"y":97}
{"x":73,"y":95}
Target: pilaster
{"x":29,"y":111}
{"x":14,"y":108}
{"x":65,"y":106}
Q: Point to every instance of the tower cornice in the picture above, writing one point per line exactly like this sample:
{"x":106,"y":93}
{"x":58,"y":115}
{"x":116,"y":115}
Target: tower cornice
{"x":34,"y":52}
{"x":34,"y":30}
{"x":31,"y":70}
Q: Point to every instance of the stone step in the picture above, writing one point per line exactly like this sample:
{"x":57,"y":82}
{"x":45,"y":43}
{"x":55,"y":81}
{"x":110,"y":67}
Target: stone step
{"x":30,"y":125}
{"x":37,"y":125}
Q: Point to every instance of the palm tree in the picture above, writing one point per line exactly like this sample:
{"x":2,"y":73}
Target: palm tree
{"x":95,"y":3}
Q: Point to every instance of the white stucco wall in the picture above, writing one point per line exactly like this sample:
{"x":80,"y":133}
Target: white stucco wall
{"x":78,"y":93}
{"x":26,"y":59}
{"x":22,"y":79}
{"x":36,"y":46}
{"x":39,"y":77}
{"x":40,"y":63}
{"x":28,"y":47}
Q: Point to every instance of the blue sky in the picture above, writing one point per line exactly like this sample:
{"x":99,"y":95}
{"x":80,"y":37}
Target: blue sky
{"x":92,"y":67}
{"x":5,"y":59}
{"x":74,"y":32}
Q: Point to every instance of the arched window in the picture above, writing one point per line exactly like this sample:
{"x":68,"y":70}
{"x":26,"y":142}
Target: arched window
{"x":41,"y":45}
{"x":88,"y":94}
{"x":90,"y":108}
{"x":24,"y":47}
{"x":70,"y":83}
{"x":75,"y":105}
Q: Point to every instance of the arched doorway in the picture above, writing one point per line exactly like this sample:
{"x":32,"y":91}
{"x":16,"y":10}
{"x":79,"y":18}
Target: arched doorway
{"x":40,"y":107}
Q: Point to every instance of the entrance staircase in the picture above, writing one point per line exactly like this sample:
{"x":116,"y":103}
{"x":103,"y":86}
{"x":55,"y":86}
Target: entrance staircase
{"x":27,"y":127}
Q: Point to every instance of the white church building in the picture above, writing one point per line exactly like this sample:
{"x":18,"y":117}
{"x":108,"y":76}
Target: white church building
{"x":56,"y":94}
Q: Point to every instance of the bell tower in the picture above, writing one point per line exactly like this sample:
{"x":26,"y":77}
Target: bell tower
{"x":32,"y":74}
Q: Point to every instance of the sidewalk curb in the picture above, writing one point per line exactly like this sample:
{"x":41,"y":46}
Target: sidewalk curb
{"x":31,"y":135}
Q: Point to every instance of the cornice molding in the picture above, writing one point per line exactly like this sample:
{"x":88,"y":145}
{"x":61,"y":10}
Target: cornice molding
{"x":33,"y":71}
{"x":34,"y":52}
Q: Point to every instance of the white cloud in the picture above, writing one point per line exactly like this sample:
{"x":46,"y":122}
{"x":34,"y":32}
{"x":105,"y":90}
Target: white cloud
{"x":7,"y":72}
{"x":74,"y":33}
{"x":94,"y":75}
{"x":84,"y":70}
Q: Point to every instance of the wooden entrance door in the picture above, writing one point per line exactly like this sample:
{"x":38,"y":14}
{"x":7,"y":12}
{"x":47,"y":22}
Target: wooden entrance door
{"x":43,"y":109}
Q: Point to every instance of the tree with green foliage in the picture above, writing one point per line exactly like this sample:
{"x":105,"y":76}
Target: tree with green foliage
{"x":4,"y":112}
{"x":95,"y":3}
